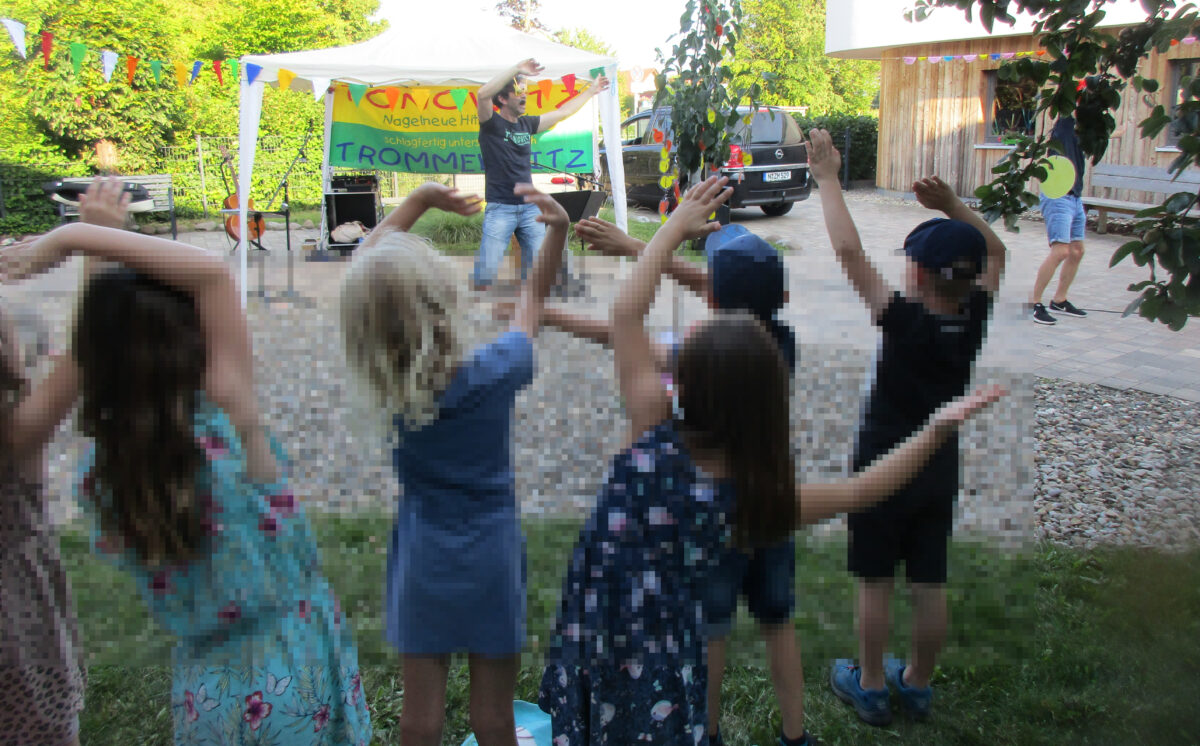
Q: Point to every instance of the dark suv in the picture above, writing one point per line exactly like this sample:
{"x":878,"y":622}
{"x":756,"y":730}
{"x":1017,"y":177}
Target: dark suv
{"x":774,"y":177}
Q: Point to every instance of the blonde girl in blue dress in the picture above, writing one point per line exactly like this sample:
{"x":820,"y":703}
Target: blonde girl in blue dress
{"x":189,"y":494}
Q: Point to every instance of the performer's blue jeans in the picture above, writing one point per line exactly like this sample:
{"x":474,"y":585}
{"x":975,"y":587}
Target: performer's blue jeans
{"x":500,"y":222}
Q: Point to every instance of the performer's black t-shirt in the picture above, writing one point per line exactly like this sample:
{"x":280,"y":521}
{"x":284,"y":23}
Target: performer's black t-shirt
{"x":506,"y":149}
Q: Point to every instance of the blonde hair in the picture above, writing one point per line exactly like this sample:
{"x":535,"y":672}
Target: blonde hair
{"x":401,"y":326}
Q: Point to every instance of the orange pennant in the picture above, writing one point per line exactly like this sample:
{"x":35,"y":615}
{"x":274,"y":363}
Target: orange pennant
{"x":392,"y":95}
{"x":546,"y":87}
{"x":131,"y":64}
{"x":285,"y":79}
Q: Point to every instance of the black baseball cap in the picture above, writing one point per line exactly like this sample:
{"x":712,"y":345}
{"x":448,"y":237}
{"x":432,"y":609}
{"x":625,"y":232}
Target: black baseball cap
{"x":951,"y":248}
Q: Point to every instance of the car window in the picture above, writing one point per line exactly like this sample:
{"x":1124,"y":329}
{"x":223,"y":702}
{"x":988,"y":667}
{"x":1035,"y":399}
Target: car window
{"x":768,"y":126}
{"x":661,"y":121}
{"x":635,"y":130}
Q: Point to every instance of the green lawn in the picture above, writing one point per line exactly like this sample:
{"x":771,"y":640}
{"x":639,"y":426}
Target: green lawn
{"x":1052,"y":647}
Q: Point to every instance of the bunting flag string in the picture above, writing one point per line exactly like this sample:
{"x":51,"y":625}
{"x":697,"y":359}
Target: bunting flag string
{"x":108,"y":63}
{"x":131,"y":64}
{"x":233,"y":70}
{"x":156,"y":68}
{"x":216,"y":65}
{"x":319,"y":87}
{"x":252,"y":72}
{"x":16,"y":31}
{"x":181,"y":73}
{"x":357,"y":91}
{"x":460,"y":96}
{"x":195,"y":71}
{"x":47,"y":41}
{"x":77,"y":52}
{"x":285,"y":79}
{"x":995,"y":56}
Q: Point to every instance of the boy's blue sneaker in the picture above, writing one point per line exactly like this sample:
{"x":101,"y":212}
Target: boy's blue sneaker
{"x":918,"y":702}
{"x":871,"y":704}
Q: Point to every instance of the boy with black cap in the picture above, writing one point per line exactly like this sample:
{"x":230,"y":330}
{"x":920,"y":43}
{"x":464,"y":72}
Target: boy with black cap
{"x":745,"y":273}
{"x":931,"y":336}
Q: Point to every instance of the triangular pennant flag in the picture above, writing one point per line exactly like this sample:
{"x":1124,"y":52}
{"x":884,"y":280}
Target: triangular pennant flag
{"x":545,"y":86}
{"x":195,"y":71}
{"x":108,"y":62}
{"x":78,"y":52}
{"x":285,"y":79}
{"x":252,"y":72}
{"x":569,"y":82}
{"x":970,"y":57}
{"x":392,"y":95}
{"x":460,"y":96}
{"x":131,"y":64}
{"x":47,"y":41}
{"x":420,"y":97}
{"x":181,"y":73}
{"x":233,"y":70}
{"x":596,"y":72}
{"x":357,"y":91}
{"x":156,"y":68}
{"x":217,"y":71}
{"x":320,"y":87}
{"x":16,"y":30}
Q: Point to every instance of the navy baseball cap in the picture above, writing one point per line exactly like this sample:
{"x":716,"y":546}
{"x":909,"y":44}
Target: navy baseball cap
{"x":943,"y":245}
{"x":745,"y":272}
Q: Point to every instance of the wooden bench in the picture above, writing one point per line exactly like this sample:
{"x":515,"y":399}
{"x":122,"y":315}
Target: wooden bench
{"x":160,"y":189}
{"x":1139,"y":178}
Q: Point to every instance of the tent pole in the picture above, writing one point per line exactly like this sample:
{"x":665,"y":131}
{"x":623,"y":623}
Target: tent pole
{"x":323,"y":243}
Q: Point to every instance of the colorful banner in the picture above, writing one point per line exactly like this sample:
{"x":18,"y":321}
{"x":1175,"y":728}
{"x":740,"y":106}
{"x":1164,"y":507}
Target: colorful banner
{"x":435,"y":130}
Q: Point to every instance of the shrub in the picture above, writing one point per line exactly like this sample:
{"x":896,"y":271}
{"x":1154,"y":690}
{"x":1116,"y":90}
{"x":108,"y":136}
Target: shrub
{"x":864,"y":140}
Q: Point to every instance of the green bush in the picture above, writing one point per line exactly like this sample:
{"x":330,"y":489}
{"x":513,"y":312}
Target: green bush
{"x":25,"y":207}
{"x":864,"y":140}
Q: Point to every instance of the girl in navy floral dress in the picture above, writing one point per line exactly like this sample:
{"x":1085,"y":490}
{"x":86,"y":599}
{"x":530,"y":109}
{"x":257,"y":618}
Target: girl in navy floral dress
{"x":627,"y":663}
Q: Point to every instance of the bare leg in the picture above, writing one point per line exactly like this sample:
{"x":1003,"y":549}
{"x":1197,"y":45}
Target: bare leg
{"x":930,"y":619}
{"x":874,"y":621}
{"x":1058,"y":253}
{"x":424,"y":710}
{"x":493,"y":683}
{"x":716,"y":673}
{"x":1069,"y":268}
{"x":787,"y":674}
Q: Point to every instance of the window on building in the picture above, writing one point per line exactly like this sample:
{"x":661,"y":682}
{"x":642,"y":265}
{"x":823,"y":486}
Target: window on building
{"x":1010,"y":108}
{"x":1182,"y":74}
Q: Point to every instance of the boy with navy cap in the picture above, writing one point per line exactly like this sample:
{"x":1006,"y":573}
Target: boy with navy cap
{"x":931,"y":335}
{"x":744,"y":273}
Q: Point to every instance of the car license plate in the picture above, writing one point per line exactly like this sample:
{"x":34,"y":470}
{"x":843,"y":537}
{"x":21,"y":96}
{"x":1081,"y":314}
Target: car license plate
{"x":777,"y":176}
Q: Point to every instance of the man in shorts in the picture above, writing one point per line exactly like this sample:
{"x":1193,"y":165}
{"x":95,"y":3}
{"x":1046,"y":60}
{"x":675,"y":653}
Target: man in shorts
{"x":1065,"y":223}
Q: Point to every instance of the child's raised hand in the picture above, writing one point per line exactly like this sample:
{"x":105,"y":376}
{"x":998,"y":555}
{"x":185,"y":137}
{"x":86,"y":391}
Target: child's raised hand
{"x":692,"y":215}
{"x":449,"y":200}
{"x":604,"y":237}
{"x":962,"y":409}
{"x":935,"y":194}
{"x":824,"y":160}
{"x":106,"y":203}
{"x":553,"y":214}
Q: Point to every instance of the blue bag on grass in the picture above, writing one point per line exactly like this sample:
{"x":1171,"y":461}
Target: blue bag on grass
{"x":533,"y":726}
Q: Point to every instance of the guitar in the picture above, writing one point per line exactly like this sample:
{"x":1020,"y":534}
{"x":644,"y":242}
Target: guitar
{"x":233,"y":223}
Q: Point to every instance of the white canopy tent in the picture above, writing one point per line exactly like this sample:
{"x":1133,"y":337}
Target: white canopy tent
{"x":429,"y":51}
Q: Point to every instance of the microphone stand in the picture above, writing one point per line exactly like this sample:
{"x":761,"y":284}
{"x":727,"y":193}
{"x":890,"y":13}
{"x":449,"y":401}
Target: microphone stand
{"x":577,"y":285}
{"x":286,"y":208}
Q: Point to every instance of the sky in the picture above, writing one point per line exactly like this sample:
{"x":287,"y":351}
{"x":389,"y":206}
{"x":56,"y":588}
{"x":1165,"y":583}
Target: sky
{"x":631,"y":27}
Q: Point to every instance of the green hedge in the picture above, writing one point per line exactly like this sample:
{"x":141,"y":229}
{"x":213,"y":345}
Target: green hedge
{"x":864,"y":140}
{"x":24,"y":207}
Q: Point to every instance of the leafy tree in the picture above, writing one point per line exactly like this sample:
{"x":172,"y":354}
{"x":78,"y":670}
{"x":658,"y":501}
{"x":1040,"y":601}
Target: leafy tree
{"x":783,"y":44}
{"x":1084,"y":74}
{"x":581,"y":38}
{"x":522,"y":14}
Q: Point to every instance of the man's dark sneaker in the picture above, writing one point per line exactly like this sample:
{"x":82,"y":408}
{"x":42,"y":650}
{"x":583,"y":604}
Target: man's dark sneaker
{"x":1067,"y":308}
{"x":1042,"y":316}
{"x":871,"y":704}
{"x":809,"y":740}
{"x":918,"y":702}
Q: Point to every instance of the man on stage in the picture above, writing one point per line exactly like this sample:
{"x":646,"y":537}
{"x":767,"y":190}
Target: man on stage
{"x":505,"y":138}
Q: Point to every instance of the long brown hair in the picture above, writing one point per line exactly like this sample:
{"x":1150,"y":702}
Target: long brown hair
{"x":733,"y":388}
{"x":142,"y":358}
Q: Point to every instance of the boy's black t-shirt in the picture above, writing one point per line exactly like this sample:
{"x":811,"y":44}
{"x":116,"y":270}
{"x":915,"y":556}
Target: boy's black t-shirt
{"x":925,"y":361}
{"x":507,"y":150}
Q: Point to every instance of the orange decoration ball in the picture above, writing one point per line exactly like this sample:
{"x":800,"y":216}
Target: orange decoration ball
{"x":658,"y":135}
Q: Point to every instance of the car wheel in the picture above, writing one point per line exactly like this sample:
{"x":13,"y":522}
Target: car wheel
{"x":780,"y":208}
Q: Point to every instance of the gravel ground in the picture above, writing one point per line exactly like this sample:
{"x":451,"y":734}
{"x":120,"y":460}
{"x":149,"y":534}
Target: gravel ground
{"x":1070,"y":463}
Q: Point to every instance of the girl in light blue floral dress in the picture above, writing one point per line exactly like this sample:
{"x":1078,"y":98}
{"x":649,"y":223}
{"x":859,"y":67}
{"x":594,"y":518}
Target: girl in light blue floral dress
{"x":189,"y":494}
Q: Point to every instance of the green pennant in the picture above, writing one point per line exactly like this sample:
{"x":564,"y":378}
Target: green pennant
{"x":460,"y":97}
{"x":156,"y":68}
{"x":596,"y":72}
{"x":357,"y":92}
{"x":233,"y":70}
{"x":78,"y":52}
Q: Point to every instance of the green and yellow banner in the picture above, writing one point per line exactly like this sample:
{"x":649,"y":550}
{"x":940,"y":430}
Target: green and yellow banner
{"x":435,"y":129}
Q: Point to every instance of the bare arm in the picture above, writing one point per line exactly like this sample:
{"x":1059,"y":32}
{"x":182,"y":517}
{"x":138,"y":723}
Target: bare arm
{"x":824,"y":161}
{"x":551,"y":118}
{"x":527,"y":316}
{"x":608,"y":239}
{"x":429,"y":195}
{"x":488,"y":90}
{"x":936,"y":194}
{"x":819,"y":502}
{"x":637,"y":367}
